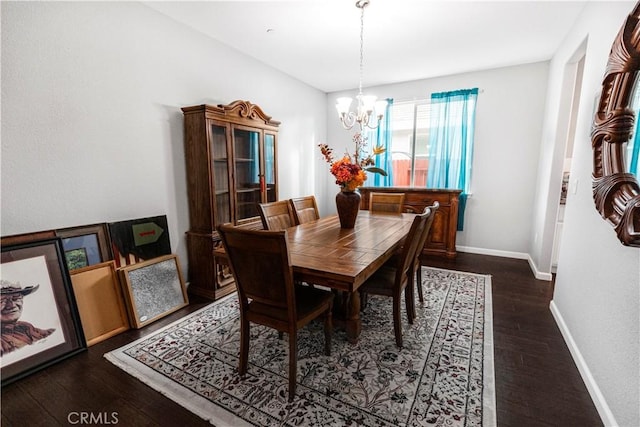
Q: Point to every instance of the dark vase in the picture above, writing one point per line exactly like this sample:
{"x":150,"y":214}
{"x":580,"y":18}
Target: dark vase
{"x":348,"y":205}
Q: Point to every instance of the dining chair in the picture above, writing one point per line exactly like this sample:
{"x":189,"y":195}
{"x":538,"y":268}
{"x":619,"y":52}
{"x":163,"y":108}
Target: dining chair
{"x":386,"y":202}
{"x":276,"y":215}
{"x":391,"y":281}
{"x":417,"y":266}
{"x":304,"y":209}
{"x":261,"y":265}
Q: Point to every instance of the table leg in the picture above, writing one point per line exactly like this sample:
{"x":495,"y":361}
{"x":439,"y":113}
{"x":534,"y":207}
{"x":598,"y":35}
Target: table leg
{"x":354,"y":325}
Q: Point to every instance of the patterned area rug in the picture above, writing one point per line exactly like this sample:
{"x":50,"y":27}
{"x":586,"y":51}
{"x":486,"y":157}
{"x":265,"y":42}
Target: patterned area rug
{"x":442,"y":376}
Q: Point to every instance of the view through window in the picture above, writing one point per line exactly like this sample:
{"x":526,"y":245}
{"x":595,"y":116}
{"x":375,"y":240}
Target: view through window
{"x":410,"y":143}
{"x":447,"y":123}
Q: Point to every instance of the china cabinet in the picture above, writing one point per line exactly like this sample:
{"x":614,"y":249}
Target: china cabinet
{"x":230,"y":154}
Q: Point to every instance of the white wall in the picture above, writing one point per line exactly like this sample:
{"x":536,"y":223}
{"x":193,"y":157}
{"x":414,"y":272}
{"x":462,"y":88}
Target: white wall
{"x":597,"y":291}
{"x":506,"y":149}
{"x":92,"y":132}
{"x":92,"y":129}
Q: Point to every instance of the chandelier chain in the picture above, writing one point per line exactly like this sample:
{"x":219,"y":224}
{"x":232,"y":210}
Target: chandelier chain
{"x":368,"y":112}
{"x":361,"y":46}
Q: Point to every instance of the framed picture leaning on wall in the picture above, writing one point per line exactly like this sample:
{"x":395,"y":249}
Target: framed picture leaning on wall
{"x":86,"y":245}
{"x":27,"y":237}
{"x":153,"y":289}
{"x":39,"y":317}
{"x":140,"y":239}
{"x":100,"y":302}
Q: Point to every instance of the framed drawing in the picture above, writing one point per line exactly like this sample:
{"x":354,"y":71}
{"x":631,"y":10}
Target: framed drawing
{"x":153,"y":289}
{"x":85,"y":246}
{"x":139,"y":239}
{"x":40,"y":323}
{"x":100,"y":301}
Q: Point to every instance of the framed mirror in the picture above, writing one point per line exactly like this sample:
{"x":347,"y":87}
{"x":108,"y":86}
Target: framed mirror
{"x":615,"y":191}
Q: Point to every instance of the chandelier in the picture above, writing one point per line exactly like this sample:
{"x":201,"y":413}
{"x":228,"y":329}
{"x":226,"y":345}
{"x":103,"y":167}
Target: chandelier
{"x":368,"y":112}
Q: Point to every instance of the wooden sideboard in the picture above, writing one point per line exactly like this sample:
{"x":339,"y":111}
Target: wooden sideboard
{"x":442,"y":237}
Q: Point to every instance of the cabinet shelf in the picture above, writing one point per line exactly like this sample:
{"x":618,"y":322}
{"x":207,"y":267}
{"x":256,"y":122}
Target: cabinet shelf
{"x":247,"y":190}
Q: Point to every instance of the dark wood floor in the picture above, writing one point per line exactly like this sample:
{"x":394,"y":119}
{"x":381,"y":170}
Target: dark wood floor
{"x":537,"y":382}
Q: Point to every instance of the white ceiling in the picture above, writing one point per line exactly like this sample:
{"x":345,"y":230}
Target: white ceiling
{"x":318,"y":41}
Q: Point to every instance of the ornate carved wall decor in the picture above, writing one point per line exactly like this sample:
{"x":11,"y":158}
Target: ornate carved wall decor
{"x":615,"y":191}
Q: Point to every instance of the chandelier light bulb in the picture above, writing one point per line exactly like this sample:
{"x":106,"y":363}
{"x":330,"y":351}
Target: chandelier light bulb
{"x":368,"y":102}
{"x":342,"y":105}
{"x":379,"y":108}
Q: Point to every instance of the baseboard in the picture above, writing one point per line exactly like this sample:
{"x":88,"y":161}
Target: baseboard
{"x":492,"y":252}
{"x":537,"y":273}
{"x":508,"y":254}
{"x":594,"y":391}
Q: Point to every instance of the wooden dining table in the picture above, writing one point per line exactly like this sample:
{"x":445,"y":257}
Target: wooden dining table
{"x":322,"y":253}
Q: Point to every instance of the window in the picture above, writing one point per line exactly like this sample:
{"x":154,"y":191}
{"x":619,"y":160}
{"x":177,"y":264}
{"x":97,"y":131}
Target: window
{"x":431,"y":140}
{"x":410,"y":143}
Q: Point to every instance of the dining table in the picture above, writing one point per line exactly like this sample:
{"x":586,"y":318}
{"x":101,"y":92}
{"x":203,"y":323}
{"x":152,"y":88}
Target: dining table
{"x":324,"y":254}
{"x":342,"y":259}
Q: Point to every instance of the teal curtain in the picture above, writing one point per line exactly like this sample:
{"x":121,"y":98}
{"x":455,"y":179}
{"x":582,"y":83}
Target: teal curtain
{"x":382,"y":136}
{"x":634,"y":149}
{"x":451,"y":142}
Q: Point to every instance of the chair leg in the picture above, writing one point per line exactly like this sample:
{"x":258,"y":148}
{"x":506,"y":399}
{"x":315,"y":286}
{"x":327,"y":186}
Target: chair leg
{"x":244,"y":346}
{"x":409,"y":300}
{"x":419,"y":282}
{"x":397,"y":321}
{"x":293,"y":362}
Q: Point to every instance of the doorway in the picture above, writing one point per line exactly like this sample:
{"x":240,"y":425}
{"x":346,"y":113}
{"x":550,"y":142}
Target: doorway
{"x":567,"y":126}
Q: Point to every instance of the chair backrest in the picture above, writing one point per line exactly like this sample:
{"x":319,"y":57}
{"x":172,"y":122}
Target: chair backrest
{"x":304,"y":209}
{"x":261,"y":266}
{"x":410,"y":247}
{"x":276,"y":215}
{"x":386,"y":202}
{"x":425,"y":233}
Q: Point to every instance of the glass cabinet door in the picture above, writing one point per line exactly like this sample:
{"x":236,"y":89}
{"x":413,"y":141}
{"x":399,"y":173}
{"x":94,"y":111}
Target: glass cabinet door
{"x":220,"y":159}
{"x":270,"y":167}
{"x":247,"y":172}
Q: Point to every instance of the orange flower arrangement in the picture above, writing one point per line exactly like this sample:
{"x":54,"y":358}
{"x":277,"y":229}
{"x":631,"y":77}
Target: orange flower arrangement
{"x":350,"y":170}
